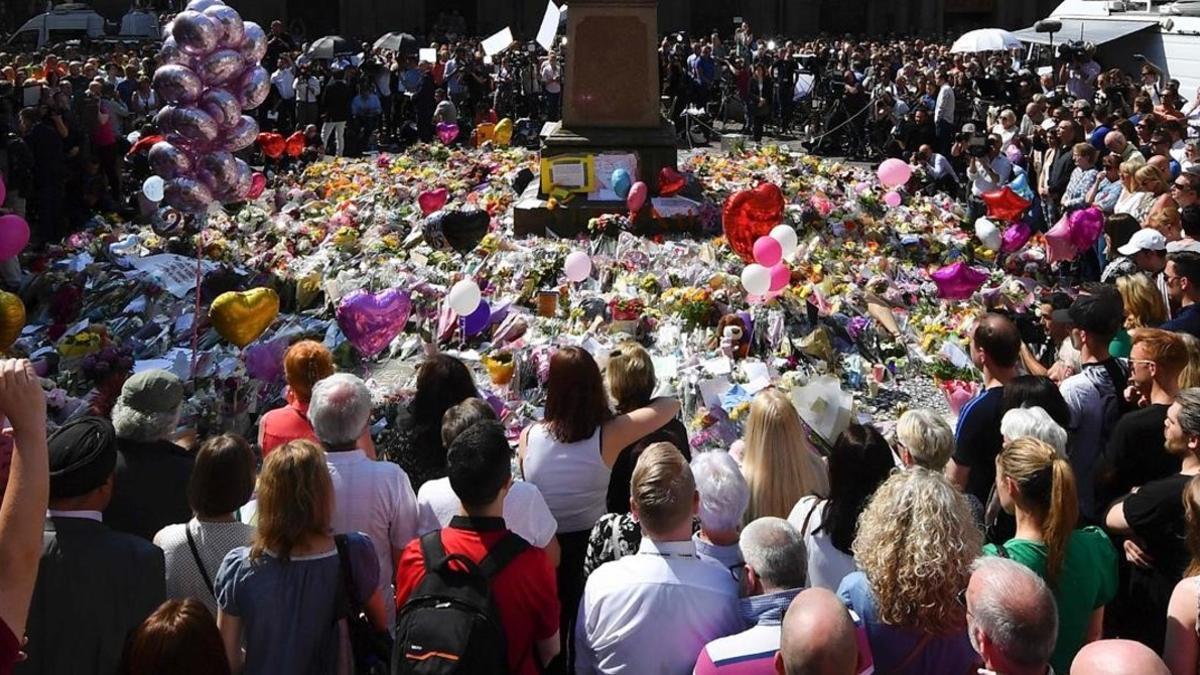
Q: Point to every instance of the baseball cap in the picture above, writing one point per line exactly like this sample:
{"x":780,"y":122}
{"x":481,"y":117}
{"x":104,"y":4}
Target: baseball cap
{"x":1145,"y":239}
{"x":1102,"y":313}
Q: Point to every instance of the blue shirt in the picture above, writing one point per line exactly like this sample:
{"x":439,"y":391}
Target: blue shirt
{"x":366,"y":105}
{"x":1187,"y":320}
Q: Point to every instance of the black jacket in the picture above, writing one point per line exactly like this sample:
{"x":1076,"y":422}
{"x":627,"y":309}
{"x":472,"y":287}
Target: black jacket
{"x":1059,"y":172}
{"x":149,"y":488}
{"x":335,"y":101}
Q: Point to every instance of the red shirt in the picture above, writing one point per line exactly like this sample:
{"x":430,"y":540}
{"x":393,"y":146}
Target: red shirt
{"x":525,"y":591}
{"x":288,"y":423}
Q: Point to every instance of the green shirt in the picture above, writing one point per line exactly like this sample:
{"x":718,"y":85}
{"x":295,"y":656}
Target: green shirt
{"x":1087,"y":582}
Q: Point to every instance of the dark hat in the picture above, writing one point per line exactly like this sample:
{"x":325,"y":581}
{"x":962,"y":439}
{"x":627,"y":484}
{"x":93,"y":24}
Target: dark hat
{"x":83,"y":455}
{"x":1102,"y":313}
{"x":153,"y":391}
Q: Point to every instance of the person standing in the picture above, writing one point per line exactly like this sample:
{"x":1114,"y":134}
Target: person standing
{"x":1011,"y":618}
{"x":551,"y":78}
{"x":308,"y":96}
{"x":1182,"y":277}
{"x":48,"y":194}
{"x":943,"y":113}
{"x":283,"y":80}
{"x":335,"y":111}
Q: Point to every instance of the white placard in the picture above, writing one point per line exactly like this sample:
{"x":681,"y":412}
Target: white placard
{"x":549,"y":27}
{"x":427,"y":55}
{"x":498,"y":42}
{"x":175,"y":273}
{"x":569,"y":174}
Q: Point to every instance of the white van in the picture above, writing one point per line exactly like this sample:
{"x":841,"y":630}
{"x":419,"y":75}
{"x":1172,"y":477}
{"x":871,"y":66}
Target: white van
{"x":77,"y":21}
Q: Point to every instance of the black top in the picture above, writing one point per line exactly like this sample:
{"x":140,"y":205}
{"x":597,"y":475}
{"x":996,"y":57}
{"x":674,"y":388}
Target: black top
{"x":416,"y":447}
{"x":1155,"y":514}
{"x":1186,"y":321}
{"x":336,"y":99}
{"x":977,"y":441}
{"x":1135,"y":454}
{"x":149,"y":487}
{"x":672,"y":432}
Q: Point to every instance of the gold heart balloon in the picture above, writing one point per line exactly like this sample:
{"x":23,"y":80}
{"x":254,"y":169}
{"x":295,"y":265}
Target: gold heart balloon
{"x":12,"y":319}
{"x":241,"y":317}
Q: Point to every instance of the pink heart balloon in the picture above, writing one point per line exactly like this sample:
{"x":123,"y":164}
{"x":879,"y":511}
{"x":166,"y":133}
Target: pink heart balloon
{"x":372,"y":320}
{"x":257,"y":184}
{"x":433,"y":200}
{"x":447,"y":132}
{"x":1058,"y":242}
{"x":1086,"y":226}
{"x":1015,"y":236}
{"x":958,"y":281}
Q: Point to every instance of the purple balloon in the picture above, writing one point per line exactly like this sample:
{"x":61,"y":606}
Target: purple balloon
{"x":221,"y":106}
{"x":254,"y":87}
{"x":218,"y":170}
{"x":254,"y":43}
{"x":195,"y":124}
{"x":168,"y":161}
{"x":195,"y":33}
{"x":164,"y":120}
{"x":475,"y":322}
{"x":187,"y":194}
{"x":171,"y":53}
{"x":264,"y":361}
{"x":230,"y":22}
{"x":372,"y":320}
{"x":201,"y":5}
{"x":239,"y":186}
{"x":242,"y":135}
{"x":220,"y":67}
{"x":187,"y":146}
{"x":177,"y":84}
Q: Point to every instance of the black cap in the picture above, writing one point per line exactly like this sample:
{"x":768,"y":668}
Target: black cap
{"x":83,"y":455}
{"x":1102,"y":313}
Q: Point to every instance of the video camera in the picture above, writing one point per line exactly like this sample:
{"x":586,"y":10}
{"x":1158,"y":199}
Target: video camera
{"x":1073,"y":50}
{"x":977,"y":143}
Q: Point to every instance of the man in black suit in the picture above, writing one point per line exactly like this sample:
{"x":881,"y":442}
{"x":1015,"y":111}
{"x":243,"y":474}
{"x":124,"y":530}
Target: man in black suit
{"x":1058,"y":172}
{"x":94,"y":585}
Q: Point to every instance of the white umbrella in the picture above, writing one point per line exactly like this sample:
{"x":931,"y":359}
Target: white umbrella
{"x":986,"y":40}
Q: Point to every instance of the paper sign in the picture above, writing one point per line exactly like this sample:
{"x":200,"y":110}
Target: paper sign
{"x":712,"y":390}
{"x":498,"y":42}
{"x":175,"y":273}
{"x":670,"y":207}
{"x":576,"y":173}
{"x":427,"y":55}
{"x":549,"y":27}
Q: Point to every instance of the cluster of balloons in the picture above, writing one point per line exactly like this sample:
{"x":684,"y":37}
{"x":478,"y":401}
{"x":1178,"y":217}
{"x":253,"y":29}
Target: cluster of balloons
{"x":209,"y":78}
{"x":769,"y":273}
{"x":1074,"y":233}
{"x":893,"y":173}
{"x":14,"y":230}
{"x":633,"y":192}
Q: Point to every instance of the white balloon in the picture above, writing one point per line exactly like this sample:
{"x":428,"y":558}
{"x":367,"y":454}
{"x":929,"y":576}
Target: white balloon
{"x":786,"y":236}
{"x":153,"y":188}
{"x":464,"y":297}
{"x":577,"y":266}
{"x":756,"y":279}
{"x":989,"y":234}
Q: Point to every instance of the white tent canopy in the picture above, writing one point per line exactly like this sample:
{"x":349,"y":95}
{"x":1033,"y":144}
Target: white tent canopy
{"x":986,"y":40}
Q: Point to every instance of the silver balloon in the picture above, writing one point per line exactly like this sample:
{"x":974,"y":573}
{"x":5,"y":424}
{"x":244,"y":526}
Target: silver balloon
{"x":195,"y":33}
{"x":187,"y":146}
{"x":168,"y":161}
{"x":254,"y":87}
{"x":195,"y":124}
{"x":177,"y":84}
{"x":201,"y":5}
{"x":239,"y":186}
{"x":220,"y":67}
{"x":218,"y":170}
{"x":222,"y":106}
{"x":242,"y":135}
{"x":232,"y":28}
{"x":187,"y":194}
{"x":254,"y":44}
{"x":164,"y":120}
{"x":171,"y":53}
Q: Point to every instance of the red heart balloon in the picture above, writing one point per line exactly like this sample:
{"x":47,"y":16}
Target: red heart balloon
{"x":1004,"y":204}
{"x":670,"y":182}
{"x":295,"y":144}
{"x":432,"y":200}
{"x":751,"y":214}
{"x":272,"y":144}
{"x":258,"y":183}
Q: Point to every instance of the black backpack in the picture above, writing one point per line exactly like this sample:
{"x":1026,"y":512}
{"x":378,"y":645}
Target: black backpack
{"x":449,"y":625}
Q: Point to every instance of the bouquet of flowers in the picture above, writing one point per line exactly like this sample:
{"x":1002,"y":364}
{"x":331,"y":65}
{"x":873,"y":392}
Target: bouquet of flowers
{"x":694,"y":305}
{"x":626,"y":309}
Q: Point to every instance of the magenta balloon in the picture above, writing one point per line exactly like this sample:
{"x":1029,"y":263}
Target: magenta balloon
{"x":218,"y":170}
{"x":171,"y":53}
{"x":254,"y":43}
{"x":187,"y":194}
{"x":370,"y":321}
{"x":254,"y":87}
{"x":177,"y":84}
{"x":220,"y":67}
{"x":14,"y":235}
{"x":222,"y":106}
{"x":242,"y":135}
{"x":195,"y":33}
{"x":195,"y":124}
{"x":168,"y":161}
{"x":201,"y":5}
{"x":230,"y":22}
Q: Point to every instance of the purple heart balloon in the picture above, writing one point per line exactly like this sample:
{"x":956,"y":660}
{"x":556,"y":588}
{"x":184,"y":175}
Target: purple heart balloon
{"x":195,"y":33}
{"x":372,"y":320}
{"x":958,"y":281}
{"x":187,"y":194}
{"x":264,"y":361}
{"x":254,"y":87}
{"x":195,"y":124}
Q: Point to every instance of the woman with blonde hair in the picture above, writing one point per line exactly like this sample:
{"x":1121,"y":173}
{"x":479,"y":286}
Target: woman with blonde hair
{"x":1164,"y":217}
{"x":914,"y":548}
{"x":280,"y":596}
{"x":1181,"y":650}
{"x":1135,"y":199}
{"x":923,"y":438}
{"x":1035,"y":483}
{"x":1144,"y":308}
{"x":778,"y":461}
{"x":1190,"y":375}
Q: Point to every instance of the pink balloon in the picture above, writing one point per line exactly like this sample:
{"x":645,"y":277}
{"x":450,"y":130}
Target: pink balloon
{"x":168,"y":161}
{"x":894,"y":172}
{"x":577,"y":266}
{"x":781,"y":276}
{"x":257,"y":184}
{"x":1058,"y":242}
{"x":220,"y":67}
{"x":447,"y":132}
{"x":195,"y":124}
{"x":432,"y":200}
{"x":1086,"y":226}
{"x":222,"y":106}
{"x":242,"y":184}
{"x":177,"y":84}
{"x":233,"y":31}
{"x":254,"y":43}
{"x":14,"y":235}
{"x":767,"y":252}
{"x":893,"y":199}
{"x":958,"y":281}
{"x":254,"y":87}
{"x":370,"y":321}
{"x":637,"y":196}
{"x":242,"y":135}
{"x":187,"y":194}
{"x":195,"y":33}
{"x":1015,"y":236}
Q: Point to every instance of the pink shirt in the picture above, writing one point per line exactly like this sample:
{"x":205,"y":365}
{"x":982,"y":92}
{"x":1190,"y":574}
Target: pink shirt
{"x":285,"y":424}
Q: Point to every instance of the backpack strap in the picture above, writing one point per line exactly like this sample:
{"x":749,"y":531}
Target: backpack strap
{"x":345,"y":591}
{"x":502,"y":554}
{"x":187,"y":528}
{"x":432,"y":551}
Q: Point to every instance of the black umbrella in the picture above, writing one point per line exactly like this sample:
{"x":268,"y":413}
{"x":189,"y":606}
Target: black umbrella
{"x":329,"y":47}
{"x":395,"y":41}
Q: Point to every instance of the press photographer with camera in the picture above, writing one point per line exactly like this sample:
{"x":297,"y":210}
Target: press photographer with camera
{"x":1079,"y":70}
{"x":988,"y":170}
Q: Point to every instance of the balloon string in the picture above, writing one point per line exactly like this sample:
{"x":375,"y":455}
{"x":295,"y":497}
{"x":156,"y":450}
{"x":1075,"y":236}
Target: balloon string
{"x":196,"y":316}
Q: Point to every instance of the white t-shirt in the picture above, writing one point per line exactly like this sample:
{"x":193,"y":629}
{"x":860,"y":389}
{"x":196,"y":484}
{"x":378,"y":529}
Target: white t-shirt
{"x":826,"y":564}
{"x":551,"y":78}
{"x":525,"y":512}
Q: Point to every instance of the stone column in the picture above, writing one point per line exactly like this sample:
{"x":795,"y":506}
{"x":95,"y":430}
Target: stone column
{"x":612,"y":64}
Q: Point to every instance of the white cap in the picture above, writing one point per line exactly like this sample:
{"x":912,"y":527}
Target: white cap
{"x":1145,"y":239}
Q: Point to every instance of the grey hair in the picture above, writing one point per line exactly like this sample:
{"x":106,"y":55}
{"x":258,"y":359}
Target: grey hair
{"x":927,"y":438}
{"x":1189,"y":410}
{"x":135,"y":425}
{"x":339,"y":409}
{"x":1034,"y":422}
{"x":1015,"y":609}
{"x":774,"y":549}
{"x":724,"y":492}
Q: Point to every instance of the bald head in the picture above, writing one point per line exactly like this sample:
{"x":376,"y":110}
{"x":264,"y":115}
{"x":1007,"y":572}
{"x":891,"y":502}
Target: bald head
{"x":1115,"y":141}
{"x":1012,"y":615}
{"x":1117,"y":657}
{"x":818,"y":637}
{"x":1162,"y":163}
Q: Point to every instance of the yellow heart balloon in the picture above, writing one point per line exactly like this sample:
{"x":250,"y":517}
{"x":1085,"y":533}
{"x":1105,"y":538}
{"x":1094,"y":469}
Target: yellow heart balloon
{"x":241,"y":317}
{"x":503,"y":132}
{"x":12,"y":319}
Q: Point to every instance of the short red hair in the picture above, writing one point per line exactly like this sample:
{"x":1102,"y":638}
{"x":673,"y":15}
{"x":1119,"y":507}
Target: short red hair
{"x":306,"y":363}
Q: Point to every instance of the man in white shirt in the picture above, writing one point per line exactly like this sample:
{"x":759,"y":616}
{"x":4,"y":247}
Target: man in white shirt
{"x":551,"y":77}
{"x":941,"y":173}
{"x":943,"y":113}
{"x":307,"y":89}
{"x":653,"y":612}
{"x":283,"y":80}
{"x":375,"y":498}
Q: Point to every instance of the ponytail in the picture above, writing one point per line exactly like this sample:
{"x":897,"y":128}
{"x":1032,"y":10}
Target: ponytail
{"x":1048,"y":492}
{"x":1061,"y":517}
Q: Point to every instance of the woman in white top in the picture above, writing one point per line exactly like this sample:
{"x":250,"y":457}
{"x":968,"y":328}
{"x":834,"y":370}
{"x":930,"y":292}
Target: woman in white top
{"x":569,"y":456}
{"x":1006,"y":128}
{"x":861,"y":460}
{"x":1136,"y":196}
{"x":222,"y":481}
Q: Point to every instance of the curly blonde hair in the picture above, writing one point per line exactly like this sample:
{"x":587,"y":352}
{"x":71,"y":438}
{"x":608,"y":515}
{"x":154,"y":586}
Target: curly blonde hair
{"x":1144,"y":304}
{"x":915,"y":544}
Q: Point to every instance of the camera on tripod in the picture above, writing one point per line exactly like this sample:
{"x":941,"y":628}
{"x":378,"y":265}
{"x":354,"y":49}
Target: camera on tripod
{"x":1072,"y":51}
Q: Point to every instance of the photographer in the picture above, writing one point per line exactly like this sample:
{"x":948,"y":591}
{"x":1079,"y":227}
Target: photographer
{"x":988,"y":170}
{"x":1079,"y":70}
{"x":940,"y":175}
{"x":550,"y":76}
